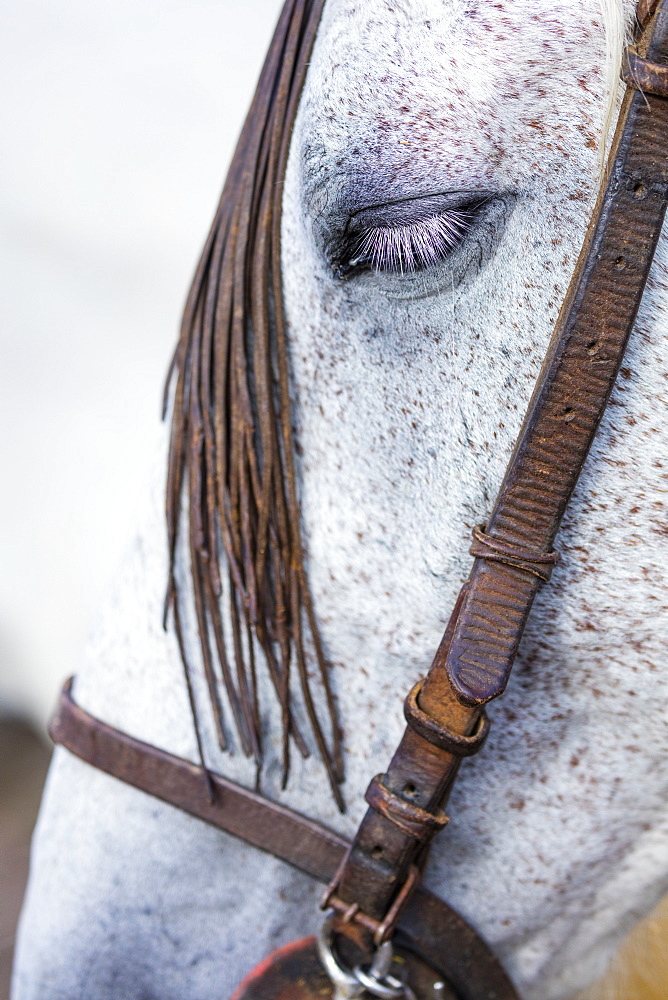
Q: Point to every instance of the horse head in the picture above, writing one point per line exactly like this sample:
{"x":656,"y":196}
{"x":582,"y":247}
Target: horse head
{"x":442,"y":170}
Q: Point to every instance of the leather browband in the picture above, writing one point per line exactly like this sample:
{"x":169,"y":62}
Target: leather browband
{"x":426,"y":921}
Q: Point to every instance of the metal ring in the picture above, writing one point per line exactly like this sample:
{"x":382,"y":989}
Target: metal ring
{"x":390,"y":989}
{"x":376,"y":980}
{"x":338,"y":975}
{"x":407,"y":991}
{"x":382,"y":960}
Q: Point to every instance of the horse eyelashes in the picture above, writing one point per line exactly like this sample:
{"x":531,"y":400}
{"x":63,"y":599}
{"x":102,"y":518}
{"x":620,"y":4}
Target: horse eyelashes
{"x":409,"y":235}
{"x":414,"y":245}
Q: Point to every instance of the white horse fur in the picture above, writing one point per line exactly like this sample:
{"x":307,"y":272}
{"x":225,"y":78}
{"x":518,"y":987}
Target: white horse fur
{"x":409,"y":391}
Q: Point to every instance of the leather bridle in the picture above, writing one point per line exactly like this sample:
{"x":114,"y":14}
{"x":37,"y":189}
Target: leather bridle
{"x":372,"y":886}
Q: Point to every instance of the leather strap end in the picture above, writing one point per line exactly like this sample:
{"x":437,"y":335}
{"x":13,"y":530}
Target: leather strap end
{"x":645,"y":10}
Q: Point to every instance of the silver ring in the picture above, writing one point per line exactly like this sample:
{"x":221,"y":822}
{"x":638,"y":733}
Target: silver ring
{"x":407,"y":991}
{"x":376,"y":980}
{"x":338,"y":975}
{"x":389,"y":989}
{"x":382,"y":960}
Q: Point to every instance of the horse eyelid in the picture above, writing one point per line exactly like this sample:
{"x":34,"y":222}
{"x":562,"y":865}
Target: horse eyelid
{"x":414,"y":245}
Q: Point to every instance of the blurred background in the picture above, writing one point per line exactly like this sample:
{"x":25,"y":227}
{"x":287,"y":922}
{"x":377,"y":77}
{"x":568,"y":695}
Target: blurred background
{"x":118,"y":122}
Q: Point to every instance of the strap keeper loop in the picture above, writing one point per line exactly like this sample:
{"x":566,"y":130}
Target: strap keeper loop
{"x":485,"y":546}
{"x":642,"y":74}
{"x":409,"y":818}
{"x":438,"y":735}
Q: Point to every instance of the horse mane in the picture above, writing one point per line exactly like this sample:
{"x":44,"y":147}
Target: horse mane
{"x":231,"y":448}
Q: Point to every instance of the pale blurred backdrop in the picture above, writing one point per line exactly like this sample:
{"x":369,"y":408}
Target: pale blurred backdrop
{"x":118,"y":121}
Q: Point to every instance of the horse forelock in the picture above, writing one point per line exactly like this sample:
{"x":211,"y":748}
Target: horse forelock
{"x":231,"y":447}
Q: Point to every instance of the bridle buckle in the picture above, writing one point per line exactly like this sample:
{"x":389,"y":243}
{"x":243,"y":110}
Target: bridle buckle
{"x":381,"y":930}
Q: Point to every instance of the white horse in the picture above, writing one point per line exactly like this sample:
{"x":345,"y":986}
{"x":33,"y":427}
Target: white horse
{"x":409,"y":389}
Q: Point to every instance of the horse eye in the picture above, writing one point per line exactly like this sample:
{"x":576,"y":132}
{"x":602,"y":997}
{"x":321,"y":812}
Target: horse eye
{"x":413,"y":246}
{"x":405,"y":237}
